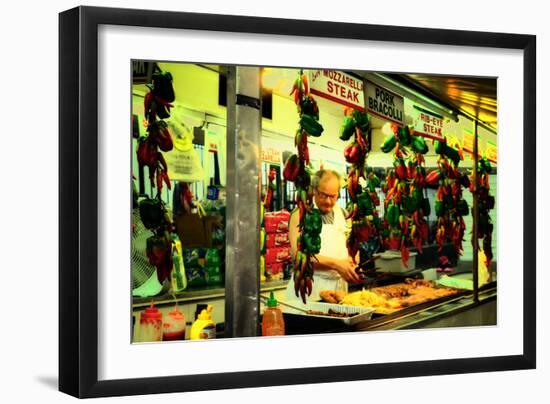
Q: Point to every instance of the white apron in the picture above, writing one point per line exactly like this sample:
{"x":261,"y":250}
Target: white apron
{"x":333,"y":244}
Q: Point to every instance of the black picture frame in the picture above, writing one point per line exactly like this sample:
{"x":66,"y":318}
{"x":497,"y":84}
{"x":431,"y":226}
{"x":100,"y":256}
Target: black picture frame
{"x":78,"y":206}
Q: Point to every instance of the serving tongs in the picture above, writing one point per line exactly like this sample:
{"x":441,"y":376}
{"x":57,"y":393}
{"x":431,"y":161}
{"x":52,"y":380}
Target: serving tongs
{"x":360,"y":268}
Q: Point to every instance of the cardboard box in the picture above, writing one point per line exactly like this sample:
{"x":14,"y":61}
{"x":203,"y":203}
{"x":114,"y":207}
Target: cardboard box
{"x":273,"y":240}
{"x":277,"y":255}
{"x":194,"y":230}
{"x":276,"y":222}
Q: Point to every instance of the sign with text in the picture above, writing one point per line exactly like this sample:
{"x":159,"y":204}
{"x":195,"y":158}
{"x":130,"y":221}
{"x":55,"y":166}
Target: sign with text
{"x":271,"y":155}
{"x":385,"y":104}
{"x":339,"y":87}
{"x":427,"y":124}
{"x":141,"y":71}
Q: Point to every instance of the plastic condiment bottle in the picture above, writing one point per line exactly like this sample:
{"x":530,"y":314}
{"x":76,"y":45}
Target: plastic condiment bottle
{"x":174,"y":326}
{"x":272,"y":322}
{"x":150,"y":325}
{"x":204,"y":327}
{"x":179,"y":280}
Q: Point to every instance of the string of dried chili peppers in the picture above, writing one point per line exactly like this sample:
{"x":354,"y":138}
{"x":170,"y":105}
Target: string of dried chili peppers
{"x":450,"y":207}
{"x":405,"y":207}
{"x":296,"y":170}
{"x":486,"y":202}
{"x":362,"y":207}
{"x":153,"y":213}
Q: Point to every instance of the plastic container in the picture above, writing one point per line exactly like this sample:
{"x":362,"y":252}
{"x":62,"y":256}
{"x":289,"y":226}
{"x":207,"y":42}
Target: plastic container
{"x":179,"y":280}
{"x":150,"y":325}
{"x":204,"y":327}
{"x":273,"y":322}
{"x":390,"y":261}
{"x":174,"y":326}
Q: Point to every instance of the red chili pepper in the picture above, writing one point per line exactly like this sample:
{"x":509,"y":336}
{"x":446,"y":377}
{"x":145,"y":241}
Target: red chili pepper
{"x":433,"y":177}
{"x":305,"y":83}
{"x":404,"y":254}
{"x":411,"y":170}
{"x":292,"y":168}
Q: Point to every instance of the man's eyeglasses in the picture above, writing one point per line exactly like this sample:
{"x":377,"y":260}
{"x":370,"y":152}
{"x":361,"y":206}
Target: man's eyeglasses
{"x":325,"y":196}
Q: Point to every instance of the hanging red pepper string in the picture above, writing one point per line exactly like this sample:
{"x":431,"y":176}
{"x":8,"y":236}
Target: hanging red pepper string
{"x":296,"y":170}
{"x":362,"y":207}
{"x":486,"y":202}
{"x":450,"y":207}
{"x":405,"y":206}
{"x":157,"y":104}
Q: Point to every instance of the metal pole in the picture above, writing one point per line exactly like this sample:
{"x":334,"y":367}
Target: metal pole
{"x":242,"y":280}
{"x":475,"y":218}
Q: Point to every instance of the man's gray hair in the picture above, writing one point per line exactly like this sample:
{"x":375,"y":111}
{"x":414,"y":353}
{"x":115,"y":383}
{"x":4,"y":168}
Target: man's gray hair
{"x":319,"y":175}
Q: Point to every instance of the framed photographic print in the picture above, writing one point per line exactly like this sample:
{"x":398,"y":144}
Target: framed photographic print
{"x":252,"y":201}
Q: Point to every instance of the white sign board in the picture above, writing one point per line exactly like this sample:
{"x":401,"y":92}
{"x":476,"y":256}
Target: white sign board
{"x":338,"y":86}
{"x":428,"y":125}
{"x":385,"y":104}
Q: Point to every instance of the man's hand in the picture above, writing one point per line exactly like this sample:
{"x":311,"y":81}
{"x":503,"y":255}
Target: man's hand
{"x":346,"y":269}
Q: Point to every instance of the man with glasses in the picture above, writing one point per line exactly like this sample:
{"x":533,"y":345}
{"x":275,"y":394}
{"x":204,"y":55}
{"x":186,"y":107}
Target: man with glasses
{"x":334,"y":269}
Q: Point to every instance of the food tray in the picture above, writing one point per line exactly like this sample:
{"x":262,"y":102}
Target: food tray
{"x":364,"y":313}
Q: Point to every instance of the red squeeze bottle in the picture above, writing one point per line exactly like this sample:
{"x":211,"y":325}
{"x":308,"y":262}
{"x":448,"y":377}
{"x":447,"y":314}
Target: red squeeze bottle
{"x":174,"y":326}
{"x":150,"y":325}
{"x":272,"y":321}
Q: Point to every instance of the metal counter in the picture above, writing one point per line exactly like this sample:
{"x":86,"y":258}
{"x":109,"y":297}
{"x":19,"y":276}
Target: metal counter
{"x":452,"y":311}
{"x":203,"y":293}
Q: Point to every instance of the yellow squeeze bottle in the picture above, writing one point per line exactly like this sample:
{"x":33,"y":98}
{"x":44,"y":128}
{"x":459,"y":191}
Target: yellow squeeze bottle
{"x":204,"y":327}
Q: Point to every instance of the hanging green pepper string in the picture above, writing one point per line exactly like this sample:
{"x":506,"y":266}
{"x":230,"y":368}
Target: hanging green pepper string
{"x":405,"y":206}
{"x":297,"y":170}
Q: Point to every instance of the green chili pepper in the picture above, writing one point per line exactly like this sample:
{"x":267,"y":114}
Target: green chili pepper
{"x":404,"y":135}
{"x":392,"y":214}
{"x":347,"y":129}
{"x":310,"y":125}
{"x":361,"y":120}
{"x":311,"y":244}
{"x":389,"y":143}
{"x":439,"y":208}
{"x":417,"y":196}
{"x":364,"y":204}
{"x":419,"y":145}
{"x":409,"y":204}
{"x":443,"y":149}
{"x":313,"y":222}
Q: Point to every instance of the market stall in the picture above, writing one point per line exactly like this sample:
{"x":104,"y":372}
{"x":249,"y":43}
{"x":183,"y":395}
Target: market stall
{"x":413,"y":186}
